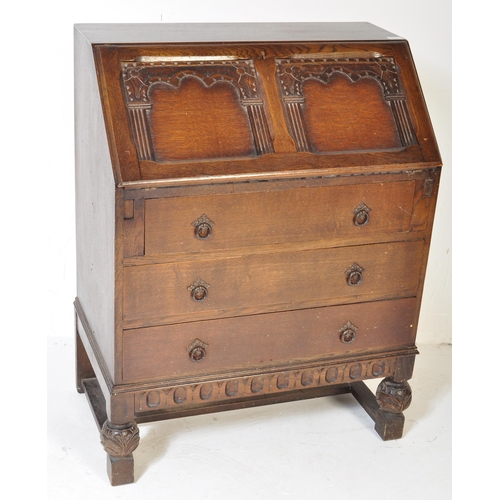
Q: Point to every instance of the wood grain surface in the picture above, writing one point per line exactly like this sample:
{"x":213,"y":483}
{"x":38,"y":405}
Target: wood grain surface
{"x":267,"y":340}
{"x":251,"y":284}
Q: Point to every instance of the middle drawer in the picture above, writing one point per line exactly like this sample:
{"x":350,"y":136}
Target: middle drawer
{"x":201,"y":289}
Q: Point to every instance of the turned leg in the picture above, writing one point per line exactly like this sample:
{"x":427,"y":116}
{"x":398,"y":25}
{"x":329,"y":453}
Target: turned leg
{"x":386,"y":406}
{"x":119,"y":441}
{"x":392,"y":398}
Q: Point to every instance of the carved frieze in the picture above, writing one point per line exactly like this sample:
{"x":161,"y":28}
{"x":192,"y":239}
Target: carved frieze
{"x":268,"y":383}
{"x":139,"y":77}
{"x":294,"y":71}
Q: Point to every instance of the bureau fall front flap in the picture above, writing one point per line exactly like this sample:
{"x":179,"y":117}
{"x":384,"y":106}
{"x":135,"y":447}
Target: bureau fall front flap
{"x":185,"y":111}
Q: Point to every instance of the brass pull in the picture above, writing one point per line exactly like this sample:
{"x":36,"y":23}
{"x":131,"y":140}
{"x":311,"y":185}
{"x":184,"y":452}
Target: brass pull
{"x":354,"y":275}
{"x":203,"y":227}
{"x":361,"y":215}
{"x":199,"y":290}
{"x":197,"y":350}
{"x":348,"y":333}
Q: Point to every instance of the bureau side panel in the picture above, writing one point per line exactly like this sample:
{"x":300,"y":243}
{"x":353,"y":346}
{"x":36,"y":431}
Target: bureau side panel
{"x":426,"y":197}
{"x":95,"y":208}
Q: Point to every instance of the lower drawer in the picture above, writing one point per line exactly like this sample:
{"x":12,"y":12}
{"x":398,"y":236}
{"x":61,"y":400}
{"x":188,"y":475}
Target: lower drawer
{"x":267,"y":340}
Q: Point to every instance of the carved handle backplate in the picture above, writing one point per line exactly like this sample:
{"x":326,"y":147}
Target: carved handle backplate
{"x":348,"y":333}
{"x":197,"y":350}
{"x":199,"y":290}
{"x":203,"y":227}
{"x":354,"y":275}
{"x":361,"y":215}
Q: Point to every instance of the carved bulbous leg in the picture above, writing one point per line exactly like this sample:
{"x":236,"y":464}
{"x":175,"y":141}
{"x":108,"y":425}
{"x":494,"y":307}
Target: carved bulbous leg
{"x":119,"y":441}
{"x":393,"y":398}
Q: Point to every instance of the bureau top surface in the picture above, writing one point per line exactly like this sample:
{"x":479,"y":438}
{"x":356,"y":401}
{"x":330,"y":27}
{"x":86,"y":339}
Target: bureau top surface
{"x":196,"y":103}
{"x":232,"y":32}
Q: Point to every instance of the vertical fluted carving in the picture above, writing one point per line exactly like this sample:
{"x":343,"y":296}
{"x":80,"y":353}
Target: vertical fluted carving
{"x":294,"y":108}
{"x":139,"y":123}
{"x":400,"y":112}
{"x":260,"y":129}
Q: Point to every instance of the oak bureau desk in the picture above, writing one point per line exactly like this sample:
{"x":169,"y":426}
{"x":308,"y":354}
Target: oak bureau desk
{"x":254,"y":208}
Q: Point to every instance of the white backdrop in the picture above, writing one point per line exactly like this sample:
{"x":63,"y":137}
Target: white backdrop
{"x":38,"y":230}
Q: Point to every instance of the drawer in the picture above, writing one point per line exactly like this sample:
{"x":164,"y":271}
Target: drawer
{"x":218,"y":222}
{"x":268,"y":282}
{"x":270,"y":340}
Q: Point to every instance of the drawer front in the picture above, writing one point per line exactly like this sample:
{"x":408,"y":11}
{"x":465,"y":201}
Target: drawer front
{"x":269,"y":340}
{"x":166,"y":293}
{"x":217,"y":222}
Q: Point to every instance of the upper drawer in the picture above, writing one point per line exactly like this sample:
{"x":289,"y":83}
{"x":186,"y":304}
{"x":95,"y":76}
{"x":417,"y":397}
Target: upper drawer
{"x":217,"y":222}
{"x":264,"y":282}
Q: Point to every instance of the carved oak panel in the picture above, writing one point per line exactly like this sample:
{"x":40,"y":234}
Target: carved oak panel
{"x":181,"y":110}
{"x":321,"y":118}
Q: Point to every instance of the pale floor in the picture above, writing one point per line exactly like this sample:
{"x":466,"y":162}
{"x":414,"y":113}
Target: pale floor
{"x":319,"y":449}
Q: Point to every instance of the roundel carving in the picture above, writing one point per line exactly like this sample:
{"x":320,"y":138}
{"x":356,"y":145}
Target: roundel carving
{"x":232,"y":388}
{"x":378,"y":368}
{"x":332,"y":374}
{"x":283,"y":380}
{"x":206,"y":391}
{"x":307,"y":378}
{"x":153,"y":399}
{"x":355,"y":371}
{"x":257,"y":384}
{"x":180,"y":395}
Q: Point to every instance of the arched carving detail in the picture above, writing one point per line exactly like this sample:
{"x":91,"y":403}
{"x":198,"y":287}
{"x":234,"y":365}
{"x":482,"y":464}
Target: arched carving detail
{"x":292,"y":73}
{"x":138,"y":78}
